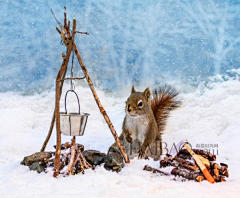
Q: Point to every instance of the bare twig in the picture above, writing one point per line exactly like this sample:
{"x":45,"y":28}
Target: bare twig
{"x":65,"y":18}
{"x":57,"y":106}
{"x":58,"y":30}
{"x":69,"y":23}
{"x":154,"y":170}
{"x":81,"y":32}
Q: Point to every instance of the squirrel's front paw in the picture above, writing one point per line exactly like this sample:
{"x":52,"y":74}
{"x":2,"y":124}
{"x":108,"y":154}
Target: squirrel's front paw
{"x":129,"y":138}
{"x":142,"y":153}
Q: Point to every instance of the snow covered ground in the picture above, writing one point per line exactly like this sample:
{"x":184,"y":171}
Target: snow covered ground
{"x":209,"y":115}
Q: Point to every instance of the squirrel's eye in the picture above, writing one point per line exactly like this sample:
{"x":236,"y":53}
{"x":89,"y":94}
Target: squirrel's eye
{"x":140,"y":103}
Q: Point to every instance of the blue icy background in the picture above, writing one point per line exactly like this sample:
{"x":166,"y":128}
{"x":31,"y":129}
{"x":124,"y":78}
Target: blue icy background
{"x":139,"y":42}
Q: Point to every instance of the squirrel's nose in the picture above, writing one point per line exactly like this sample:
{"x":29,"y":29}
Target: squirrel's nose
{"x":129,"y":110}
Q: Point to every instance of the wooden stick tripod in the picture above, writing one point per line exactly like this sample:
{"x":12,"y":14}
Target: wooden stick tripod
{"x":67,"y":36}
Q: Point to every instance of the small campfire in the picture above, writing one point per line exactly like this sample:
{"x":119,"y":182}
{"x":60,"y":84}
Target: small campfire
{"x":185,"y":166}
{"x":73,"y":159}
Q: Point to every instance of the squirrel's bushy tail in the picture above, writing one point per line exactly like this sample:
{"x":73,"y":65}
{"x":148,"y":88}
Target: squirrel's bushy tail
{"x":163,"y":101}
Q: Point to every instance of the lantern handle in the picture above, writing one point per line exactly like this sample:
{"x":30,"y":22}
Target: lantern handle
{"x":66,"y":101}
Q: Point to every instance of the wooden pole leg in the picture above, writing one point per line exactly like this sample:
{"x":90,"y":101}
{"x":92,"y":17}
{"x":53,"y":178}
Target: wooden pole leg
{"x":102,"y":110}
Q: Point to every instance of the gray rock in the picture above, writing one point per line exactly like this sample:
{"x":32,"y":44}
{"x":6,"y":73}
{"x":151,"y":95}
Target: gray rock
{"x":37,"y":157}
{"x":94,"y":157}
{"x":37,"y":166}
{"x":114,"y":160}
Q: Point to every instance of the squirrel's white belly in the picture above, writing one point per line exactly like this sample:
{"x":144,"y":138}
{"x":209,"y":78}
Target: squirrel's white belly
{"x":138,"y":127}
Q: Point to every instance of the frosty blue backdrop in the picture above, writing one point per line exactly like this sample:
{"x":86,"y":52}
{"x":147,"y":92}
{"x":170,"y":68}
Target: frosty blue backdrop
{"x":129,"y":42}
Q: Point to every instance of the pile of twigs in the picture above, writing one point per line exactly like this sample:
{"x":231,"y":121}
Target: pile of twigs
{"x":184,"y":165}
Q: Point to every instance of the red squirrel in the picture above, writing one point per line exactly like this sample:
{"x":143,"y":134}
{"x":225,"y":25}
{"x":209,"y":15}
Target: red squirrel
{"x":145,"y":120}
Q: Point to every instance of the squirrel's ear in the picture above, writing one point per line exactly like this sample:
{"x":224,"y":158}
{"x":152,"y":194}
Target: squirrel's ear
{"x":147,"y":93}
{"x":133,"y":89}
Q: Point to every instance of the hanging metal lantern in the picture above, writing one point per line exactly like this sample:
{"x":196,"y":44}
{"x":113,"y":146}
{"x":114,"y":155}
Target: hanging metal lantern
{"x":73,"y":124}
